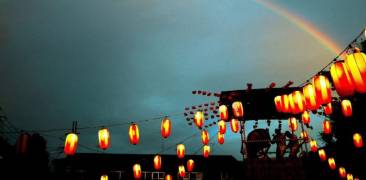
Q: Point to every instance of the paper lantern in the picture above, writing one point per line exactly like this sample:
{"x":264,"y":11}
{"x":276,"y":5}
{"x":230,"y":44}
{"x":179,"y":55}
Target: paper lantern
{"x":285,"y":103}
{"x":220,"y":138}
{"x":305,"y":136}
{"x":134,"y":134}
{"x":199,"y":119}
{"x":322,"y":155}
{"x":190,"y":165}
{"x":22,"y":144}
{"x":104,"y":177}
{"x":297,"y":100}
{"x":166,"y":127}
{"x":104,"y":138}
{"x":168,"y":177}
{"x":327,"y":127}
{"x":292,"y":124}
{"x":328,"y":109}
{"x":346,"y":108}
{"x":322,"y":89}
{"x":313,"y":146}
{"x":180,"y":151}
{"x":234,"y":124}
{"x":342,"y":172}
{"x":305,"y":117}
{"x":181,"y":171}
{"x":205,"y":137}
{"x":222,"y":126}
{"x":137,"y":171}
{"x":238,"y":110}
{"x":157,"y":162}
{"x":206,"y":151}
{"x":278,"y":103}
{"x":310,"y":99}
{"x":224,"y":113}
{"x":349,"y":177}
{"x":71,"y":144}
{"x":357,"y":140}
{"x":356,"y":64}
{"x":332,"y":163}
{"x":341,"y":79}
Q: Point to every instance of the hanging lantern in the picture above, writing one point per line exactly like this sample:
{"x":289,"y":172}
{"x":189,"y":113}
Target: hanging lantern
{"x":168,"y":177}
{"x":285,"y":104}
{"x":134,"y":134}
{"x":331,"y":163}
{"x":291,"y":103}
{"x":104,"y":138}
{"x":220,"y":138}
{"x":166,"y":127}
{"x":322,"y":89}
{"x":224,"y":113}
{"x":238,"y":110}
{"x":328,"y":109}
{"x":71,"y":144}
{"x":137,"y":171}
{"x":305,"y":117}
{"x":278,"y":103}
{"x":313,"y":146}
{"x":349,"y":177}
{"x":234,"y":124}
{"x":327,"y":127}
{"x":206,"y":151}
{"x":157,"y":162}
{"x":357,"y":140}
{"x":104,"y":177}
{"x":346,"y":108}
{"x":342,"y":172}
{"x":356,"y":64}
{"x":181,"y":171}
{"x":22,"y":144}
{"x":222,"y":126}
{"x":311,"y":102}
{"x":341,"y":79}
{"x":198,"y":119}
{"x":305,"y":136}
{"x":322,"y":155}
{"x":292,"y":124}
{"x":205,"y":137}
{"x":298,"y":103}
{"x":180,"y":151}
{"x":190,"y":165}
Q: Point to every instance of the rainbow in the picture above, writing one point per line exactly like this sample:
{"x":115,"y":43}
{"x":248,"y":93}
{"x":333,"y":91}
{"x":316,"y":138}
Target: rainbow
{"x":304,"y":25}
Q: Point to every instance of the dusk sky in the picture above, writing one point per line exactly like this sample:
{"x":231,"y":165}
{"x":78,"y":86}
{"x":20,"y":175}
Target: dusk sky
{"x":114,"y":61}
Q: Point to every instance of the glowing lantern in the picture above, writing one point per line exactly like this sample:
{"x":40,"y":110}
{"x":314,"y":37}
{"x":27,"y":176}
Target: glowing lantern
{"x":71,"y":144}
{"x":322,"y":155}
{"x":305,"y":117}
{"x":206,"y":151}
{"x":298,"y":104}
{"x":292,"y":124}
{"x":341,"y":79}
{"x":322,"y":89}
{"x":224,"y":113}
{"x":222,"y":126}
{"x":104,"y":177}
{"x":137,"y":171}
{"x":327,"y":128}
{"x":331,"y":163}
{"x":234,"y":124}
{"x":134,"y":134}
{"x":342,"y":172}
{"x":285,"y":104}
{"x":166,"y":127}
{"x":205,"y":137}
{"x":356,"y":64}
{"x":181,"y":171}
{"x":278,"y":103}
{"x":220,"y":138}
{"x":346,"y":108}
{"x":349,"y":177}
{"x":190,"y":165}
{"x":311,"y":102}
{"x":168,"y":177}
{"x":357,"y":140}
{"x":22,"y":143}
{"x":104,"y":138}
{"x":328,"y":109}
{"x":291,"y":103}
{"x":304,"y":135}
{"x":198,"y":119}
{"x":313,"y":146}
{"x":238,"y":110}
{"x":180,"y":151}
{"x":157,"y":162}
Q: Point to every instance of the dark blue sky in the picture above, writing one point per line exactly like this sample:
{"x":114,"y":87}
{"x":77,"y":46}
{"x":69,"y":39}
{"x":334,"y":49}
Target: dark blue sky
{"x":112,"y":61}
